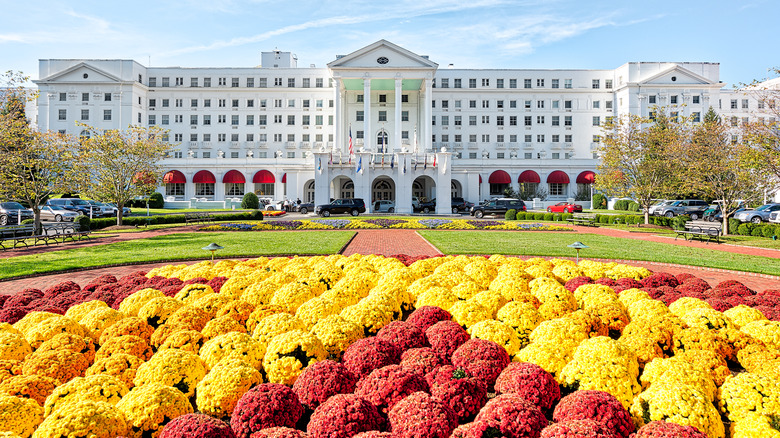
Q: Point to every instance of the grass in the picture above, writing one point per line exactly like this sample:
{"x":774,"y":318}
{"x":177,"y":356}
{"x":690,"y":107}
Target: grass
{"x":555,"y":245}
{"x":177,"y":247}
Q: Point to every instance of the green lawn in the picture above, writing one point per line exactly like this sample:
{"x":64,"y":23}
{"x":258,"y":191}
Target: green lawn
{"x":555,"y":244}
{"x":175,"y":247}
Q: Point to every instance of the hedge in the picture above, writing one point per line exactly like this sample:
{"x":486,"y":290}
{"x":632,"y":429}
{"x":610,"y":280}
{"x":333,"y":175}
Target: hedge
{"x":521,"y":215}
{"x":96,"y":224}
{"x":510,"y":214}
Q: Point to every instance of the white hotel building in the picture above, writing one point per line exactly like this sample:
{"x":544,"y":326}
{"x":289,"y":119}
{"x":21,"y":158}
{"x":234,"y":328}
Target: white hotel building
{"x":283,"y":131}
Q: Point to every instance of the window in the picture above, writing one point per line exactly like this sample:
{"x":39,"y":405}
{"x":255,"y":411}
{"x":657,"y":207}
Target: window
{"x":306,"y":82}
{"x":556,"y":104}
{"x":290,"y":120}
{"x":557,"y":189}
{"x":527,"y":104}
{"x":556,"y":155}
{"x":500,"y":121}
{"x":359,"y":98}
{"x":457,"y":83}
{"x":85,"y":114}
{"x":696,"y":117}
{"x":206,"y":154}
{"x":567,"y":138}
{"x":206,"y":82}
{"x":472,"y":104}
{"x":556,"y":138}
{"x":62,"y":114}
{"x":194,"y":119}
{"x":204,"y":189}
{"x":382,"y":116}
{"x":526,"y":83}
{"x":485,"y":138}
{"x":166,"y":82}
{"x":318,"y":82}
{"x":262,"y":82}
{"x":540,"y":82}
{"x":250,"y":103}
{"x":306,"y":120}
{"x":174,"y":189}
{"x":221,"y":118}
{"x":85,"y":97}
{"x":500,"y":155}
{"x":512,"y":120}
{"x":499,"y":104}
{"x":178,"y":118}
{"x":63,"y":97}
{"x":206,"y":137}
{"x":595,"y":84}
{"x":528,"y":121}
{"x":277,"y":103}
{"x":290,"y":103}
{"x":152,"y":82}
{"x":445,"y":83}
{"x":567,"y":104}
{"x":485,"y":82}
{"x":165,"y":119}
{"x":433,"y":120}
{"x":445,"y":103}
{"x":744,"y":104}
{"x":608,"y":104}
{"x":359,"y":116}
{"x":291,"y":82}
{"x":277,"y":82}
{"x":651,"y":100}
{"x":567,"y":83}
{"x":596,"y":121}
{"x":540,"y":104}
{"x":499,"y":83}
{"x":596,"y":104}
{"x":566,"y":120}
{"x":540,"y":138}
{"x":540,"y":120}
{"x":207,"y":120}
{"x":473,"y":138}
{"x":555,"y":83}
{"x":234,"y":103}
{"x":179,"y":103}
{"x":472,"y":83}
{"x":472,"y":120}
{"x":485,"y":104}
{"x":608,"y":84}
{"x":472,"y":155}
{"x":193,"y":137}
{"x":404,"y":98}
{"x":318,"y":103}
{"x":673,"y":100}
{"x":486,"y":119}
{"x":177,"y":137}
{"x":277,"y":138}
{"x":318,"y":120}
{"x":405,"y":116}
{"x":733,"y":103}
{"x":250,"y":119}
{"x":696,"y":99}
{"x":513,"y":83}
{"x":262,"y":120}
{"x":179,"y":82}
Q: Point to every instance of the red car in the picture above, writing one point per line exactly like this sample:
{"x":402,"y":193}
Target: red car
{"x":564,"y":207}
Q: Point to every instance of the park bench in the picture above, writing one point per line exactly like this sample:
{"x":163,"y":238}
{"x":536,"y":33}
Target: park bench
{"x":699,"y":232}
{"x":198,"y":217}
{"x":15,"y":235}
{"x":586,"y":219}
{"x":65,"y":231}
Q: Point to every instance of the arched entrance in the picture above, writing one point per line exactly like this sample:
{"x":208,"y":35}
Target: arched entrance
{"x":381,"y":141}
{"x":342,"y":187}
{"x":456,"y":190}
{"x":424,"y":187}
{"x":383,"y":189}
{"x":308,"y":191}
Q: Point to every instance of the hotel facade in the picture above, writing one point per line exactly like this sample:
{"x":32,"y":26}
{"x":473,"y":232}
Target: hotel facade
{"x":415,"y":129}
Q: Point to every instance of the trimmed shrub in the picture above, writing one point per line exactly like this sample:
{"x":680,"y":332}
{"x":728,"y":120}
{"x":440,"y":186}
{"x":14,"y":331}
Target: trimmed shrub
{"x":602,"y":218}
{"x":250,"y":201}
{"x":510,"y":214}
{"x":758,"y":230}
{"x":637,"y":219}
{"x":767,"y":230}
{"x":156,"y":200}
{"x":83,"y":221}
{"x":521,"y":215}
{"x":621,"y":204}
{"x":565,"y":216}
{"x":257,"y":215}
{"x":678,"y":222}
{"x":28,"y":221}
{"x":548,"y":216}
{"x":599,"y":201}
{"x":745,"y":229}
{"x":539,"y":216}
{"x":633,"y":206}
{"x":734,"y":225}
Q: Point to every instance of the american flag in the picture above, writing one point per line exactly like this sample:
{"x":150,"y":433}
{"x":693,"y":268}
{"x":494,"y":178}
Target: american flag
{"x":350,"y":142}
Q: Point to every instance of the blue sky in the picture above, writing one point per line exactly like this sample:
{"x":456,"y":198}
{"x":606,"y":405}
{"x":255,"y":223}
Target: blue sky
{"x":739,"y":34}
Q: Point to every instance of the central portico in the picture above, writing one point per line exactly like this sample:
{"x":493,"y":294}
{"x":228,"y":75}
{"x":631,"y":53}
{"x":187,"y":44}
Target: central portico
{"x":382,"y":103}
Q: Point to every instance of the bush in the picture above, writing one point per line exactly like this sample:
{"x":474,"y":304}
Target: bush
{"x":520,"y":215}
{"x":621,"y":204}
{"x":734,"y":225}
{"x":599,"y":202}
{"x":767,"y":230}
{"x":637,"y":219}
{"x":678,"y":223}
{"x":156,"y":200}
{"x":510,"y":214}
{"x":83,"y":221}
{"x":250,"y":201}
{"x":257,"y":215}
{"x":548,"y":216}
{"x":565,"y":216}
{"x":602,"y":218}
{"x":758,"y":230}
{"x":633,"y":206}
{"x":28,"y":221}
{"x":539,"y":216}
{"x":745,"y":229}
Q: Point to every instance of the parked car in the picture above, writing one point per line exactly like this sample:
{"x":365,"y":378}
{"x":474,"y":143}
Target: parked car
{"x":458,"y":205}
{"x":774,"y":217}
{"x":758,"y":215}
{"x":57,"y":214}
{"x":384,"y":206}
{"x":126,"y":211}
{"x":653,"y":210}
{"x":10,"y":213}
{"x":101,"y":208}
{"x":564,"y":207}
{"x":425,"y":206}
{"x":497,"y":207}
{"x":353,"y":206}
{"x":693,"y":207}
{"x":718,"y":216}
{"x":304,"y":207}
{"x":73,"y":204}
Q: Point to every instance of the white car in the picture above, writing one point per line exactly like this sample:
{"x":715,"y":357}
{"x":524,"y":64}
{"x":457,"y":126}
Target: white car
{"x":57,"y":214}
{"x":384,"y":206}
{"x":774,"y":217}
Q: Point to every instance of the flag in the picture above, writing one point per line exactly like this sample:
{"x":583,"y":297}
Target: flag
{"x":416,"y":162}
{"x":415,"y":139}
{"x":350,"y":143}
{"x":319,"y":164}
{"x":425,"y":165}
{"x":360,"y":166}
{"x":392,"y":161}
{"x":434,"y":160}
{"x":330,"y":162}
{"x":404,"y":165}
{"x":383,"y":159}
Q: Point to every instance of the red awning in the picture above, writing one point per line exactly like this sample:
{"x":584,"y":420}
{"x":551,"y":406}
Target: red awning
{"x":586,"y":177}
{"x":264,"y":177}
{"x":204,"y":176}
{"x":529,"y":176}
{"x":174,"y":177}
{"x":480,"y":179}
{"x":233,"y":177}
{"x":499,"y":177}
{"x":284,"y":179}
{"x":558,"y":177}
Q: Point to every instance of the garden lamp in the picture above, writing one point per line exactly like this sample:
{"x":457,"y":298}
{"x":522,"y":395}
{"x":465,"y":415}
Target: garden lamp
{"x":213,"y":247}
{"x":578,"y":246}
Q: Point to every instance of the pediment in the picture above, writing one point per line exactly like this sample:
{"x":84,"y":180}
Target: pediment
{"x":385,"y":55}
{"x":77,"y":73}
{"x":676,"y":75}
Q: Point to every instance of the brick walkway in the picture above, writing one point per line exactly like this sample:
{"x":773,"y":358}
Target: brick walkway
{"x":390,"y":242}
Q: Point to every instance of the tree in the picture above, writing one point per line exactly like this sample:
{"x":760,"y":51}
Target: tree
{"x":762,"y":134}
{"x":718,"y":168}
{"x":33,"y":165}
{"x":116,"y":166}
{"x":636,"y":157}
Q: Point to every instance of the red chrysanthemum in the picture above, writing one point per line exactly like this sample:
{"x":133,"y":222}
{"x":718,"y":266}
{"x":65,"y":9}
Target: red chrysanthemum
{"x":422,"y":416}
{"x":422,"y":360}
{"x":660,"y":279}
{"x":577,"y":429}
{"x":482,"y":359}
{"x":368,"y":354}
{"x":531,"y":382}
{"x":196,"y":426}
{"x":343,"y":416}
{"x":512,"y":416}
{"x":663,"y":429}
{"x":576,"y":282}
{"x":427,"y":316}
{"x":265,"y":405}
{"x":99,"y":281}
{"x":622,"y":284}
{"x":465,"y":395}
{"x":403,"y":335}
{"x":216,"y":283}
{"x":387,"y":386}
{"x":605,"y":281}
{"x":278,"y":432}
{"x":595,"y":405}
{"x":446,"y":336}
{"x":322,"y":380}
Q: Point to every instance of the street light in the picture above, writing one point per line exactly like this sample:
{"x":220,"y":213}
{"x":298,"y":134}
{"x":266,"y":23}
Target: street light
{"x":213,"y":247}
{"x":578,"y":246}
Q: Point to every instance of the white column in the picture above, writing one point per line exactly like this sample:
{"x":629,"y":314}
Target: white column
{"x":321,"y":178}
{"x":397,"y":131}
{"x":426,"y":141}
{"x":367,"y":133}
{"x":339,"y":122}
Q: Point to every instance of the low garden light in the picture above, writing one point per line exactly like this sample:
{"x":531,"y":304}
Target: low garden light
{"x":578,"y":246}
{"x":213,"y":247}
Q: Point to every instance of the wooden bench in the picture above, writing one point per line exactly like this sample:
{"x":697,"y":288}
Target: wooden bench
{"x":16,"y":235}
{"x":698,"y":232}
{"x":198,"y":217}
{"x":63,"y":231}
{"x":586,"y":219}
{"x":206,"y":217}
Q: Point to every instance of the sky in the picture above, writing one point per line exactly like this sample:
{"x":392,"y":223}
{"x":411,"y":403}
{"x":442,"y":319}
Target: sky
{"x":545,"y":34}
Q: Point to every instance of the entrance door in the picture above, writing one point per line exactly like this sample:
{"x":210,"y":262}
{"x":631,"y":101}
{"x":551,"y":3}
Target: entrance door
{"x":383,"y":191}
{"x":381,"y":142}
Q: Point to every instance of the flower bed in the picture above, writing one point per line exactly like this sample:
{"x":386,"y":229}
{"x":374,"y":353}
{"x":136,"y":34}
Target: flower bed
{"x":369,"y":224}
{"x":347,"y":346}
